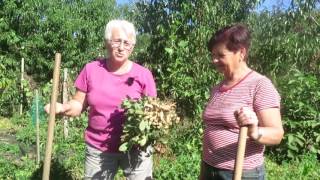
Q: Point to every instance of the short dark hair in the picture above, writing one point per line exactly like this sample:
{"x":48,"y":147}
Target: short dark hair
{"x":234,"y":36}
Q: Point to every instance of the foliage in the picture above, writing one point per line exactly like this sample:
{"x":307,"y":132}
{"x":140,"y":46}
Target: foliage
{"x":15,"y":160}
{"x":148,"y":121}
{"x":304,"y":168}
{"x":36,"y":29}
{"x":185,"y":148}
{"x":179,"y":31}
{"x":12,"y":169}
{"x":68,"y":154}
{"x":301,"y":101}
{"x":8,"y":97}
{"x":186,"y":166}
{"x":285,"y":40}
{"x":5,"y":124}
{"x":41,"y":28}
{"x":286,"y":48}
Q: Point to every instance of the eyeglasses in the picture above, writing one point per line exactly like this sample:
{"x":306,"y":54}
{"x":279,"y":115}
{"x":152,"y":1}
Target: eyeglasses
{"x":116,"y":43}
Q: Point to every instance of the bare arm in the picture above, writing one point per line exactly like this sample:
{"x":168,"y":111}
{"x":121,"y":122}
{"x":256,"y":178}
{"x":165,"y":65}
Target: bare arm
{"x":74,"y":107}
{"x":270,"y":127}
{"x":265,"y":127}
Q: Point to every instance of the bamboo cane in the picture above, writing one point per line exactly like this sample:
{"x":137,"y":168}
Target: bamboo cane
{"x":240,"y":153}
{"x":47,"y":160}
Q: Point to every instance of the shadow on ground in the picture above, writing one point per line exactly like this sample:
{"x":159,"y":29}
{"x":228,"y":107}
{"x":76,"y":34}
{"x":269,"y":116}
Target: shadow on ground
{"x":57,"y":172}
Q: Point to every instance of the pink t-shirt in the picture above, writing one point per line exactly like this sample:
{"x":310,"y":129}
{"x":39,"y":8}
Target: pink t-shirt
{"x":221,"y":130}
{"x":105,"y":92}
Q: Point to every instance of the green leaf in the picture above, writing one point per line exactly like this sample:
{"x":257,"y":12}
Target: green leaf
{"x":123,"y":147}
{"x":169,"y":51}
{"x":143,"y":141}
{"x":139,"y":112}
{"x":183,"y":44}
{"x":143,"y":125}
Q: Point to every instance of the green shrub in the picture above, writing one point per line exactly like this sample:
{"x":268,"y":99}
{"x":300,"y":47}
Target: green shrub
{"x":301,"y":111}
{"x":183,"y":166}
{"x":307,"y":167}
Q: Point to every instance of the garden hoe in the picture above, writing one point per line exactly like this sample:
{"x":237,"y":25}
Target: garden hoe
{"x":54,"y":94}
{"x":240,"y":153}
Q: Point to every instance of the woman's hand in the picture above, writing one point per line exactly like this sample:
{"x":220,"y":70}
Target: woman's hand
{"x":60,"y":108}
{"x":73,"y":108}
{"x":246,"y":117}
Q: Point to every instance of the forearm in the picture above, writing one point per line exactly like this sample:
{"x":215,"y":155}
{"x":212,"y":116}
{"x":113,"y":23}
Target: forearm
{"x":268,"y":135}
{"x":265,"y":129}
{"x":74,"y":108}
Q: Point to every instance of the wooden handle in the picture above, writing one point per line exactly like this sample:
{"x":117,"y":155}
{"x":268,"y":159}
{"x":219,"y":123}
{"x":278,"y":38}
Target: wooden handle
{"x":54,"y":94}
{"x":240,"y":153}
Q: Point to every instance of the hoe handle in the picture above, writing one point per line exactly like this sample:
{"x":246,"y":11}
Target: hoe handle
{"x":240,"y":153}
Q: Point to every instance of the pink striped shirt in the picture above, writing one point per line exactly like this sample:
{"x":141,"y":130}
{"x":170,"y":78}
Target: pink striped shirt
{"x":221,"y":130}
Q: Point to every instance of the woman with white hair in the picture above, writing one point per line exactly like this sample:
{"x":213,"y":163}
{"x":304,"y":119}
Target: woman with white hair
{"x":102,"y":85}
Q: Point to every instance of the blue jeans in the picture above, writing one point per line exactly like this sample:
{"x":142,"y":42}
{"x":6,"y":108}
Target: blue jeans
{"x":136,"y":164}
{"x":212,"y":173}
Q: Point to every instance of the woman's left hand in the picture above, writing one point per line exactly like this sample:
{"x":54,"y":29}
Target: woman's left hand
{"x":247,"y":117}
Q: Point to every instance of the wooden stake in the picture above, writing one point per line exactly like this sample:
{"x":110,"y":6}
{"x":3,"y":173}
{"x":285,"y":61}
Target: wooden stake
{"x":21,"y":86}
{"x":240,"y":153}
{"x":47,"y":160}
{"x":37,"y":127}
{"x":64,"y":100}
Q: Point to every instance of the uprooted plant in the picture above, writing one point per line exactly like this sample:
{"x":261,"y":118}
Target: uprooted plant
{"x":149,"y":121}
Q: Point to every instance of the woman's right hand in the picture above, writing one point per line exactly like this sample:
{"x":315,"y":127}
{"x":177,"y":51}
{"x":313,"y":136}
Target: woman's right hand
{"x":60,"y":108}
{"x":71,"y":108}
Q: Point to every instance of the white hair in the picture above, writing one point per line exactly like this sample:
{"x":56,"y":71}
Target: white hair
{"x":124,"y":25}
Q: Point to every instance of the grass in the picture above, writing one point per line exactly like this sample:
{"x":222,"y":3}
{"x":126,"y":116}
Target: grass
{"x":305,"y":169}
{"x":5,"y":124}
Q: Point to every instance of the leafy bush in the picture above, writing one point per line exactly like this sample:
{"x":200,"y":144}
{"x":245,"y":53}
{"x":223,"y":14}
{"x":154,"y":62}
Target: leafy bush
{"x":286,"y":48}
{"x":186,"y":166}
{"x":68,"y":153}
{"x":177,"y":51}
{"x":301,"y":109}
{"x":36,"y":30}
{"x":304,"y":168}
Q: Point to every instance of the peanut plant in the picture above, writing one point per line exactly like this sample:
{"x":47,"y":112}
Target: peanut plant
{"x":149,"y":121}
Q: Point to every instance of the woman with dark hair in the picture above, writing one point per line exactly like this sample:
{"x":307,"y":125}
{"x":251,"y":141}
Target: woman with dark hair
{"x":243,"y":98}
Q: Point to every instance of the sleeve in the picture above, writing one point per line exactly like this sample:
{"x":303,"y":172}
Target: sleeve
{"x":81,"y":82}
{"x":149,"y":88}
{"x":266,"y":95}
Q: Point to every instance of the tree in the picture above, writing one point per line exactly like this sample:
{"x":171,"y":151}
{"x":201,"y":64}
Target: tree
{"x":37,"y":29}
{"x":179,"y":31}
